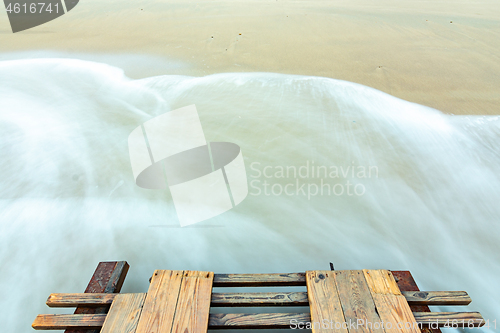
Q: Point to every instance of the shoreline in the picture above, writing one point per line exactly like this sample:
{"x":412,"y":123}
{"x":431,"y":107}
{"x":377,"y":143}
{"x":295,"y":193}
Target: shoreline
{"x":426,"y":53}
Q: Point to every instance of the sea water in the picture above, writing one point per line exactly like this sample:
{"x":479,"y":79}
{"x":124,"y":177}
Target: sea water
{"x":337,"y":172}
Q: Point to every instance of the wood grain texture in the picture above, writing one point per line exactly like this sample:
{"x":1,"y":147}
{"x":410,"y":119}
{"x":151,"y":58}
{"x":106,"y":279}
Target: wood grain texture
{"x":259,"y":280}
{"x":60,"y":300}
{"x":450,"y":319}
{"x":124,"y":314}
{"x":436,"y":297}
{"x":260,"y":299}
{"x":324,"y":302}
{"x":357,"y":302}
{"x":381,"y":282}
{"x":256,"y":320}
{"x":251,"y":320}
{"x":406,"y":282}
{"x":159,"y":307}
{"x":73,"y":300}
{"x":391,"y":305}
{"x":65,"y":321}
{"x":193,"y":305}
{"x":107,"y":278}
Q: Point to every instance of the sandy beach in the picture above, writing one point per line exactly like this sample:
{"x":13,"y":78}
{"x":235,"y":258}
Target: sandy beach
{"x":290,"y":84}
{"x":436,"y":53}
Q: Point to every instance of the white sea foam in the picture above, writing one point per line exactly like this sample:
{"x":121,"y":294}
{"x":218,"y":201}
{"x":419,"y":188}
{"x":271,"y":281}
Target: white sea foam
{"x":68,"y":199}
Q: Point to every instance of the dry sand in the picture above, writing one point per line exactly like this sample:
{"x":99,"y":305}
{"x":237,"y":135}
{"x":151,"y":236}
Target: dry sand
{"x":443,"y":54}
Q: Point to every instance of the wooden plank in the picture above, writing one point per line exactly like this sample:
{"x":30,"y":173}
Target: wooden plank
{"x":108,"y":278}
{"x":405,"y":282}
{"x":449,"y":319}
{"x":381,"y":282}
{"x":73,"y":300}
{"x":193,"y":304}
{"x":260,"y":299}
{"x":357,"y":302}
{"x":259,"y":280}
{"x":65,"y":321}
{"x":159,"y":307}
{"x":324,"y":302}
{"x":436,"y":297}
{"x":253,"y":320}
{"x":391,"y":305}
{"x":58,"y":300}
{"x":124,"y":314}
{"x":256,"y":320}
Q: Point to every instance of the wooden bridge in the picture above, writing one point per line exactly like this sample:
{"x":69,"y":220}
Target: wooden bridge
{"x":352,"y":301}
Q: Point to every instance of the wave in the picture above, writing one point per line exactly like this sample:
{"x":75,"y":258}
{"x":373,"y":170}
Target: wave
{"x":68,"y":198}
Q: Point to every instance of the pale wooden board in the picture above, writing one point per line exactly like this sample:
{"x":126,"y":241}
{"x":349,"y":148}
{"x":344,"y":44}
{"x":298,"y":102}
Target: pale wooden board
{"x":259,"y":280}
{"x":260,"y":299}
{"x":257,"y":320}
{"x":251,"y":320}
{"x":124,"y":313}
{"x":58,"y":300}
{"x":391,"y":305}
{"x":381,"y":282}
{"x":193,"y":305}
{"x":64,"y":321}
{"x":159,"y":307}
{"x":324,"y":302}
{"x":450,"y":319}
{"x":437,"y":297}
{"x":357,"y":302}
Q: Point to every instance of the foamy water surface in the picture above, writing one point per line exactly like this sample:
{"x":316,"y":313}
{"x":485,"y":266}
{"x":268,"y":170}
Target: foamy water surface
{"x":68,"y":198}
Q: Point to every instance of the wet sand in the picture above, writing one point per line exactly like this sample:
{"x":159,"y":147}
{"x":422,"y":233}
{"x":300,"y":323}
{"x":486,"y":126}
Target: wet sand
{"x":440,"y":54}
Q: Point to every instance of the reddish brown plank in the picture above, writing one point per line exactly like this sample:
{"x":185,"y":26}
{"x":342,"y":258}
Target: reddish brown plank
{"x":108,"y":278}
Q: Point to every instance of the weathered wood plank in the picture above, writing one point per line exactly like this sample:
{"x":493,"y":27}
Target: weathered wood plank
{"x":357,"y":302}
{"x":259,"y":280}
{"x":381,"y":282}
{"x":324,"y":301}
{"x":449,"y":319}
{"x":436,"y":297}
{"x":260,"y":299}
{"x":193,"y":304}
{"x":390,"y":303}
{"x":58,"y":300}
{"x":108,"y":278}
{"x":159,"y":307}
{"x":124,"y":314}
{"x":65,"y":321}
{"x":395,"y":311}
{"x":256,"y":320}
{"x":405,"y":282}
